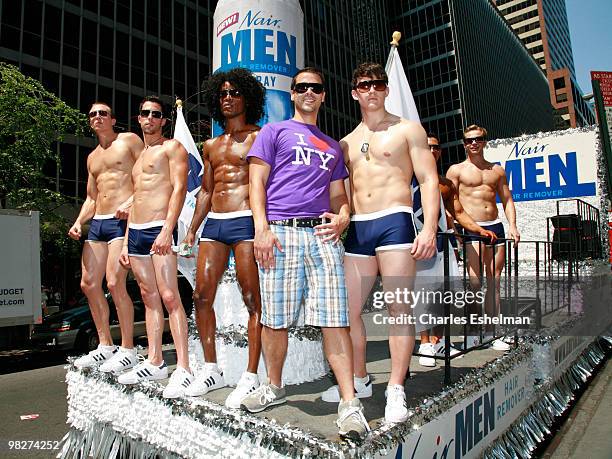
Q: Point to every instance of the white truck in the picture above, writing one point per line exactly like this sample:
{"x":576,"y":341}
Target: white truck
{"x":20,"y":293}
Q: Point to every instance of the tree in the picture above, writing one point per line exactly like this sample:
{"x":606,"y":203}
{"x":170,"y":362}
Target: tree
{"x":32,"y":119}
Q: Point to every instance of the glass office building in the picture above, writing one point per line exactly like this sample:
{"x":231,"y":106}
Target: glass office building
{"x":460,"y":75}
{"x":542,"y":26}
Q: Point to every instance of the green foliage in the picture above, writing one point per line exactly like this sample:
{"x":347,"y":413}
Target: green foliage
{"x":32,"y":119}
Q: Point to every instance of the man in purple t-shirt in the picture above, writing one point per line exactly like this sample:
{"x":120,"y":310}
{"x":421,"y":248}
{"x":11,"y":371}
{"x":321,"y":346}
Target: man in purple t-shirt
{"x":300,"y":209}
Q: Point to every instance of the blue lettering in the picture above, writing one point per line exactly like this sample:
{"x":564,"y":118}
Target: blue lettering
{"x":477,"y":420}
{"x":286,"y":49}
{"x":532,"y":172}
{"x":230,"y":49}
{"x":489,"y":412}
{"x":567,"y":170}
{"x":463,"y":432}
{"x":514,"y":173}
{"x":255,"y":19}
{"x":262,"y":43}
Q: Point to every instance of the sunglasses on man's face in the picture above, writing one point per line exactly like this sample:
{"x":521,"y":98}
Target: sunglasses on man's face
{"x":478,"y":139}
{"x":435,"y":147}
{"x":229,"y":93}
{"x":302,"y":88}
{"x":364,"y":86}
{"x":154,"y":113}
{"x":102,"y":113}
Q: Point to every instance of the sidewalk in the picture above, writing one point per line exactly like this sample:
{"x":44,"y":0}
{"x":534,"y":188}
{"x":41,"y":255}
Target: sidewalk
{"x":587,"y":432}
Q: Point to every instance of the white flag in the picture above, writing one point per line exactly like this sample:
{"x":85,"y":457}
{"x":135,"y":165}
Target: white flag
{"x":187,"y":266}
{"x":400,"y":101}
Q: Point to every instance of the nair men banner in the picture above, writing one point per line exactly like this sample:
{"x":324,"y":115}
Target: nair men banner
{"x":266,"y":37}
{"x":558,"y":165}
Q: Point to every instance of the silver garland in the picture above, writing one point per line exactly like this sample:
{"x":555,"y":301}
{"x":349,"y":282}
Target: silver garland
{"x":553,"y":399}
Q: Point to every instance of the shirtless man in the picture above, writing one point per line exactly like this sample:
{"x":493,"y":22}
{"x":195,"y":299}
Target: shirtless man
{"x":382,"y":153}
{"x":235,"y":100}
{"x":434,"y":345}
{"x":108,"y":201}
{"x":160,"y":184}
{"x":478,"y":183}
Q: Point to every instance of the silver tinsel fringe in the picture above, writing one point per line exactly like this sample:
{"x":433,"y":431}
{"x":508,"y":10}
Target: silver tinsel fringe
{"x":554,"y":398}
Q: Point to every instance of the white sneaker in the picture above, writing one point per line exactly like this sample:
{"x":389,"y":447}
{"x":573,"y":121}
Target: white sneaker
{"x":396,"y":409}
{"x":247,"y":384}
{"x":210,"y":378}
{"x":144,"y":371}
{"x":500,"y":345}
{"x":363,"y":389}
{"x":123,"y":359}
{"x":96,"y":357}
{"x":180,"y":380}
{"x":427,"y":349}
{"x":439,"y":348}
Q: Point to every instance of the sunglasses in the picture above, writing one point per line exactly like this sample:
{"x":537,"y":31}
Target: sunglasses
{"x":435,"y":147}
{"x":154,"y":113}
{"x":229,"y":93}
{"x":302,"y":88}
{"x":102,"y":113}
{"x":474,"y":139}
{"x":364,"y":86}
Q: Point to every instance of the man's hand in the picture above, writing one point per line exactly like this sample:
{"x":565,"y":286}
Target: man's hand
{"x":124,"y":258}
{"x":123,"y":211}
{"x":424,"y":245}
{"x":490,"y":236}
{"x":263,"y":247}
{"x":75,"y":231}
{"x":163,"y":243}
{"x":186,"y":247}
{"x":332,"y":230}
{"x":514,"y":234}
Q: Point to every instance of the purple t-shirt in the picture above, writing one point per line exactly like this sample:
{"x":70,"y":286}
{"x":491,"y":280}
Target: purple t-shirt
{"x":303,"y":162}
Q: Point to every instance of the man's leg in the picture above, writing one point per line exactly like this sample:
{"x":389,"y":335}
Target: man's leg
{"x":93,"y":266}
{"x":397,"y":268}
{"x":338,"y":351}
{"x":144,"y":271}
{"x":212,"y":261}
{"x":274,"y":343}
{"x":167,"y":284}
{"x":360,"y":274}
{"x":248,"y":279}
{"x":115,"y":280}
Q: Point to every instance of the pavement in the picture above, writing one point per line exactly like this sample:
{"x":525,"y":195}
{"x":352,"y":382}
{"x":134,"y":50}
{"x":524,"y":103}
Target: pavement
{"x":587,"y":432}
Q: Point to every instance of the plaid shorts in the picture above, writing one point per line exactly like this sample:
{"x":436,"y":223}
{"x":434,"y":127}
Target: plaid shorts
{"x":309,"y":272}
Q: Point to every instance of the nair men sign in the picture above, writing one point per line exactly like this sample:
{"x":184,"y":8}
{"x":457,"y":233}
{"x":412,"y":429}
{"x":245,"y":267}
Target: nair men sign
{"x":266,"y":37}
{"x":558,"y":165}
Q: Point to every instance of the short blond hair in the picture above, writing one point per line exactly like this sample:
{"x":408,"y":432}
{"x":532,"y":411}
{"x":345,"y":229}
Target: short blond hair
{"x":475,"y":127}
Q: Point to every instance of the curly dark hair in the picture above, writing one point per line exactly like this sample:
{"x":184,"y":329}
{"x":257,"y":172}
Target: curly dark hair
{"x":244,"y":81}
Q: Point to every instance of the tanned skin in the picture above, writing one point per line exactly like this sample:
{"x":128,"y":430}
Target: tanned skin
{"x":478,"y":183}
{"x":160,"y":185}
{"x":109,"y":191}
{"x":225,"y":188}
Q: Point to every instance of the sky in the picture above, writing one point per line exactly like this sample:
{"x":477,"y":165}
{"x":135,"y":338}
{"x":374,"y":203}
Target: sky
{"x":590,"y":23}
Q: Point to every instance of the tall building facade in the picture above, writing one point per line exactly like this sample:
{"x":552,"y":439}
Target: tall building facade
{"x":118,"y":51}
{"x":543,"y":27}
{"x":460,"y":75}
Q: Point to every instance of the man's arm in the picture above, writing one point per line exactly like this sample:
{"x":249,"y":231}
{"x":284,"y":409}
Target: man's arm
{"x":455,"y":208}
{"x":424,"y":166}
{"x":136,"y":146}
{"x":340,"y":215}
{"x":265,"y":239}
{"x":88,"y":209}
{"x":506,"y":198}
{"x":203,"y":198}
{"x":179,"y":167}
{"x":453,"y":175}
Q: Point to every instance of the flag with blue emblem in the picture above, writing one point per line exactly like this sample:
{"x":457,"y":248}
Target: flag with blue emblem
{"x":187,"y":266}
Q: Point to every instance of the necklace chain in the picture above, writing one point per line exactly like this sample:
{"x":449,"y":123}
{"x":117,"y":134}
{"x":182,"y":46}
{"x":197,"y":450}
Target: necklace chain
{"x":153,"y":143}
{"x":365,"y":144}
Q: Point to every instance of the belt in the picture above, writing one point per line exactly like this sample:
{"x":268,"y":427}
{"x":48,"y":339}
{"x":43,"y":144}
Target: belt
{"x":299,"y":222}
